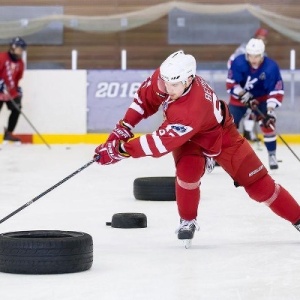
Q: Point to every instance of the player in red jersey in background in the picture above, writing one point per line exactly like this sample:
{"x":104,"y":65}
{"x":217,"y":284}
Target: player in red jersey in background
{"x":197,"y":126}
{"x":11,"y":72}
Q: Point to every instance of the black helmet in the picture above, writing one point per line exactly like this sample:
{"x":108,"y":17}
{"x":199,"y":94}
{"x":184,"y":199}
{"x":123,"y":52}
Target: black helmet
{"x":18,"y":42}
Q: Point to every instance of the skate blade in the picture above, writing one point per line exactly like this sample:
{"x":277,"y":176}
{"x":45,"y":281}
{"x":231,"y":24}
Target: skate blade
{"x":187,"y":243}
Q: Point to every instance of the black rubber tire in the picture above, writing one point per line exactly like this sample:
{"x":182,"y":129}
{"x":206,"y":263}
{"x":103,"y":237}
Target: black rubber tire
{"x":154,"y":188}
{"x":129,"y":220}
{"x":45,"y":252}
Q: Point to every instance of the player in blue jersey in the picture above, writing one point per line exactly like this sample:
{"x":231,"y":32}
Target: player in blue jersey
{"x":255,"y":81}
{"x":249,"y":123}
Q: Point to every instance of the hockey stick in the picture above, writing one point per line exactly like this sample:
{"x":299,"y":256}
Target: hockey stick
{"x":49,"y":190}
{"x":19,"y":110}
{"x":273,"y":128}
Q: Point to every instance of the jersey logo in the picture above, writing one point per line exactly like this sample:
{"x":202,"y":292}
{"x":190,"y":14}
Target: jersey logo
{"x":262,"y":76}
{"x":250,"y":83}
{"x":179,"y":129}
{"x":279,"y":85}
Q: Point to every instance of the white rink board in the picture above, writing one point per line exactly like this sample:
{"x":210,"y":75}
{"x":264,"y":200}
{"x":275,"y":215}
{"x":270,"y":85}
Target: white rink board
{"x":54,"y":101}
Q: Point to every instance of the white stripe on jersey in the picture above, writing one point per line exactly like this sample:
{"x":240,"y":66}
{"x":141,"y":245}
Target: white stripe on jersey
{"x":274,"y":100}
{"x":230,"y":80}
{"x":281,"y":92}
{"x":137,"y":108}
{"x":136,"y":96}
{"x":159,"y":145}
{"x":145,"y":145}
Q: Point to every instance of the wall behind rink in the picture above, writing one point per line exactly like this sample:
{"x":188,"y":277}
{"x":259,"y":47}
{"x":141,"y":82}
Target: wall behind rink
{"x":54,"y":101}
{"x":109,"y":94}
{"x":79,"y":102}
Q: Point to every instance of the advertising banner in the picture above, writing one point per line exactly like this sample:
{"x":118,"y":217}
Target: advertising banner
{"x":109,"y":94}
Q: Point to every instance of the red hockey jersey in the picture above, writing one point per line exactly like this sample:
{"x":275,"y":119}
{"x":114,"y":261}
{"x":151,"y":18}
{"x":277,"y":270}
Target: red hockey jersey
{"x":196,"y":116}
{"x":11,"y":72}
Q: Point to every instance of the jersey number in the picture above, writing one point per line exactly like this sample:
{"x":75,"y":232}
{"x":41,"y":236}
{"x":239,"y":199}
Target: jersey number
{"x":216,"y":105}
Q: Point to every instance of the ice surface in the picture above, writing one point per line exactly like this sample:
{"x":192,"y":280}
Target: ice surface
{"x":242,"y":251}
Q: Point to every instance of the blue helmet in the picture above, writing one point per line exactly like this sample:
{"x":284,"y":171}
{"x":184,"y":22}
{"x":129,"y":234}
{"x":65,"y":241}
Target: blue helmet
{"x":18,"y":42}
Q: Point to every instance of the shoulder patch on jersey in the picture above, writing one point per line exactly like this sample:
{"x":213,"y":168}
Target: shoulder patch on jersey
{"x":179,"y":128}
{"x":262,"y":76}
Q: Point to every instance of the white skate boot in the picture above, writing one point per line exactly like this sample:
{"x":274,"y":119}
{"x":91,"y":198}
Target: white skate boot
{"x":273,"y":162}
{"x":186,"y":230}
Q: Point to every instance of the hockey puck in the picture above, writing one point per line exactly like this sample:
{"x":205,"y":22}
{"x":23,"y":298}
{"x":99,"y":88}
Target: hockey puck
{"x":129,"y":220}
{"x":279,"y":160}
{"x":108,"y":223}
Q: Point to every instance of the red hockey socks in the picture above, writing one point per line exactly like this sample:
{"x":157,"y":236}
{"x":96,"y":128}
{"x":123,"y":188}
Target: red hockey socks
{"x":187,"y":200}
{"x":276,"y":197}
{"x":190,"y":169}
{"x":286,"y":206}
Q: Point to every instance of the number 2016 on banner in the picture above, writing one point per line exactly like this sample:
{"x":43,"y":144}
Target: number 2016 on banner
{"x":116,"y":89}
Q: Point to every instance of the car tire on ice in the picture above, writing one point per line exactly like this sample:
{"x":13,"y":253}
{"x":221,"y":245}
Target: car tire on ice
{"x":45,"y":252}
{"x":128,"y":220}
{"x":154,"y":188}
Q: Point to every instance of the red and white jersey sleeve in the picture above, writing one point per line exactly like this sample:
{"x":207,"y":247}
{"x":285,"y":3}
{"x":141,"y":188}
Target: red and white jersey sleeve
{"x":195,"y":117}
{"x":147,"y":100}
{"x":11,"y":72}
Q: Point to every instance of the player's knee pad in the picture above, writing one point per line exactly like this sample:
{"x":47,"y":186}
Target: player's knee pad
{"x":262,"y":190}
{"x":187,"y":174}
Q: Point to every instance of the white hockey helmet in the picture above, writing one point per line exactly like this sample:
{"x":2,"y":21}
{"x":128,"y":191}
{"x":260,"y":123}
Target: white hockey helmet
{"x":255,"y":47}
{"x":178,"y":67}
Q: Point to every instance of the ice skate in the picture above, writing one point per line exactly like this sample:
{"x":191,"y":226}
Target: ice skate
{"x":186,"y":230}
{"x":10,"y":138}
{"x":273,"y":162}
{"x":297,"y":225}
{"x":209,"y":164}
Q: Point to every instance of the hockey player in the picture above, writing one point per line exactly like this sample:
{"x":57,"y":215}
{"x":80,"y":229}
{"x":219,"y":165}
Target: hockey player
{"x":11,"y":71}
{"x":260,"y":33}
{"x":197,"y":125}
{"x":249,"y":117}
{"x":254,"y":81}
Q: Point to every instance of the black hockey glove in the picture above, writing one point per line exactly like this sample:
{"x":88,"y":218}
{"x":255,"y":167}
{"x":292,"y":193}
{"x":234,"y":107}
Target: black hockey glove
{"x":247,"y":100}
{"x":270,"y":119}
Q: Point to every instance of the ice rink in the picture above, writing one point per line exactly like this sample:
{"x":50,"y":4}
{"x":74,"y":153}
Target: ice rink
{"x":243,"y":251}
